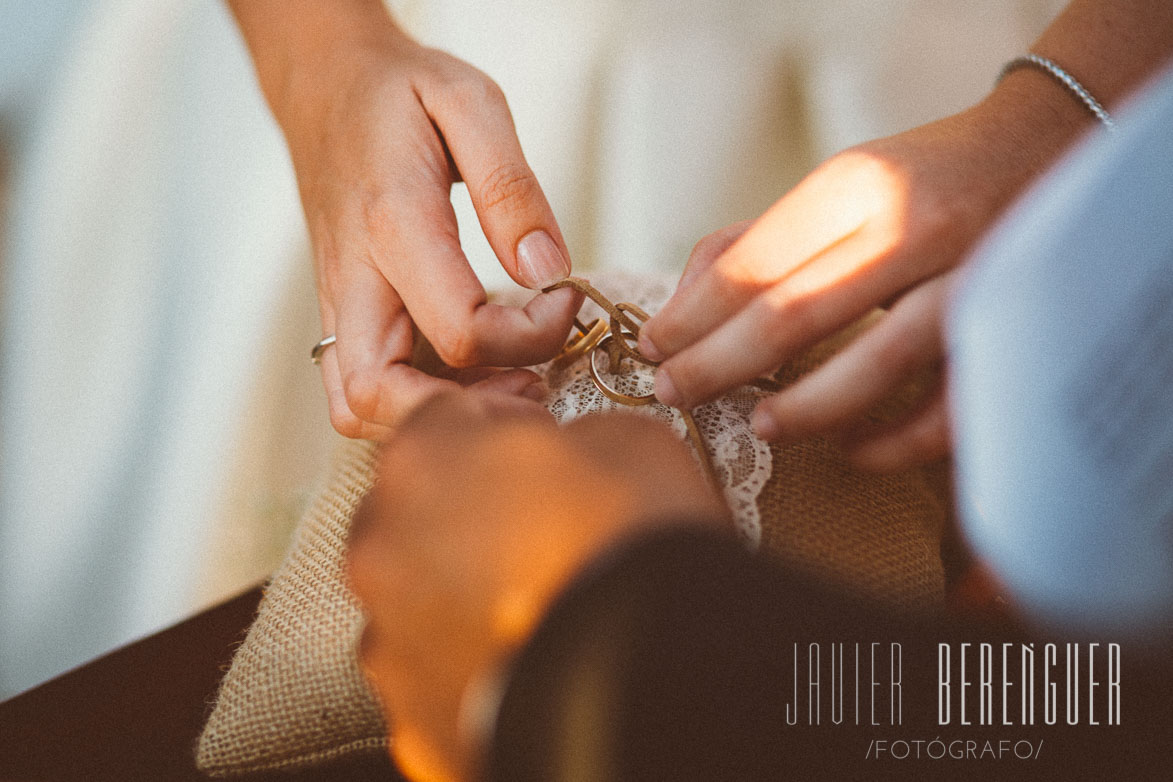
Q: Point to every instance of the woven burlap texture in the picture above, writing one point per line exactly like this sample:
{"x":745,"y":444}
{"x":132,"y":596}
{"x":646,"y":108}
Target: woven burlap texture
{"x":879,"y":535}
{"x":294,"y":695}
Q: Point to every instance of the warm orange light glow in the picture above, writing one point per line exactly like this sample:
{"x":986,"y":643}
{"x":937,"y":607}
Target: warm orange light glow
{"x":514,"y":616}
{"x":416,"y":758}
{"x":827,"y":211}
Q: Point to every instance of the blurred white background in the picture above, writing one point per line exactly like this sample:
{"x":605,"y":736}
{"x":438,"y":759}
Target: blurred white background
{"x":160,"y":424}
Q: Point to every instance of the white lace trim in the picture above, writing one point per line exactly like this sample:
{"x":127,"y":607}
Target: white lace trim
{"x":743,"y":463}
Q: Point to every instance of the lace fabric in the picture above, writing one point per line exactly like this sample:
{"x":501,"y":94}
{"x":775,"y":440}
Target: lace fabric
{"x":295,"y":697}
{"x":742,"y":463}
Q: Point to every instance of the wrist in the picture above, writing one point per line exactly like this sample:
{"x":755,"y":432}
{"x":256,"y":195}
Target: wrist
{"x":307,"y":52}
{"x":1062,"y":77}
{"x":1031,"y":120}
{"x":1040,"y":115}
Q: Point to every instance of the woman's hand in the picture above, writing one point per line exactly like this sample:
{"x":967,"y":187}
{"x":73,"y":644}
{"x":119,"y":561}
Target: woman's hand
{"x":881,"y":224}
{"x":379,"y":128}
{"x":483,"y":510}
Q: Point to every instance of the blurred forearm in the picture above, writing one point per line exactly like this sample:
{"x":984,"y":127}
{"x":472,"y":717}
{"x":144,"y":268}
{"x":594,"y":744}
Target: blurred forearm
{"x":296,"y":43}
{"x":1109,"y":46}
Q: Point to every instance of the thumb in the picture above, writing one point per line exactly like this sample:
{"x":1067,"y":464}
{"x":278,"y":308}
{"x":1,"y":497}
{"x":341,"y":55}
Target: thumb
{"x":513,"y":211}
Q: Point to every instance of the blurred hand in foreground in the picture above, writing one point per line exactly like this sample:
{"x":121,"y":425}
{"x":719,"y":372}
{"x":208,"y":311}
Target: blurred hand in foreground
{"x":484,"y":508}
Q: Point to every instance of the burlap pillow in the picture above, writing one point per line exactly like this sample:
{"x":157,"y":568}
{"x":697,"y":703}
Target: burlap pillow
{"x":294,"y":695}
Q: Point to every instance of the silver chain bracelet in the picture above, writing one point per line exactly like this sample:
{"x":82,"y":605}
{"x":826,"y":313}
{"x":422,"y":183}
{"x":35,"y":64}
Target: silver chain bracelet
{"x":1064,"y":78}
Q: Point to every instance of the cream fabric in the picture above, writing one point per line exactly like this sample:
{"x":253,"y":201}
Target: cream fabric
{"x":153,"y":240}
{"x":1062,"y":405}
{"x":160,"y":423}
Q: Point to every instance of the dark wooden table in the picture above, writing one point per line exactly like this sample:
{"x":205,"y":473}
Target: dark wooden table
{"x":135,"y":713}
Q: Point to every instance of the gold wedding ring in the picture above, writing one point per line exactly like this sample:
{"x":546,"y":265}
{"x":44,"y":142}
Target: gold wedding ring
{"x":588,"y":338}
{"x":611,"y":393}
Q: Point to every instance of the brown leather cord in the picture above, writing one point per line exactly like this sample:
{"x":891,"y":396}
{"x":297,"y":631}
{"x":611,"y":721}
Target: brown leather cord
{"x":617,"y":312}
{"x":702,"y":451}
{"x":613,"y":338}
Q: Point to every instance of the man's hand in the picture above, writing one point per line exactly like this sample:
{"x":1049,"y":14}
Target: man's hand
{"x":482,"y":511}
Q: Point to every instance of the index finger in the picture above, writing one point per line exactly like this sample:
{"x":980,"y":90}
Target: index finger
{"x":820,"y":213}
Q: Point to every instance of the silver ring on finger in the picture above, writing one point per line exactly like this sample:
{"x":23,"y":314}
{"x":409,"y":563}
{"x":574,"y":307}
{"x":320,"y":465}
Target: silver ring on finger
{"x":320,"y":348}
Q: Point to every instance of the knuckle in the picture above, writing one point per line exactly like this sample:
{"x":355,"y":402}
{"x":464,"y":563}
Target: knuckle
{"x":378,"y":213}
{"x":916,"y":442}
{"x":705,"y":249}
{"x":930,"y":216}
{"x":897,"y":353}
{"x":931,"y":440}
{"x":729,"y":292}
{"x":784,"y":409}
{"x":468,"y":89}
{"x":348,"y":426}
{"x":509,"y":186}
{"x":793,"y":315}
{"x":491,"y":92}
{"x":862,"y":166}
{"x":457,"y":348}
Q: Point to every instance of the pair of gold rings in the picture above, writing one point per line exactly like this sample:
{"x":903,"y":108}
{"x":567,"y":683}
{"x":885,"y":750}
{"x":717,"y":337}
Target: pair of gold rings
{"x":592,"y":340}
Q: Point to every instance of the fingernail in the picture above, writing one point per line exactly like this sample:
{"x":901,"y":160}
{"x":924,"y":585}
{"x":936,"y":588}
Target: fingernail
{"x":649,"y":351}
{"x":539,"y":261}
{"x":764,"y":425}
{"x":666,"y":390}
{"x":535,"y":391}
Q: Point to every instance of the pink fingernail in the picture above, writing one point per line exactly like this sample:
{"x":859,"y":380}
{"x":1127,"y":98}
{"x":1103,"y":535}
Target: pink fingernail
{"x":666,"y":390}
{"x":764,"y":425}
{"x":539,"y":261}
{"x":650,"y":351}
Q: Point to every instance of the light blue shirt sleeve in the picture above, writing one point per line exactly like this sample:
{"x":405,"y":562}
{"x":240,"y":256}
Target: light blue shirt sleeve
{"x":1061,"y":375}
